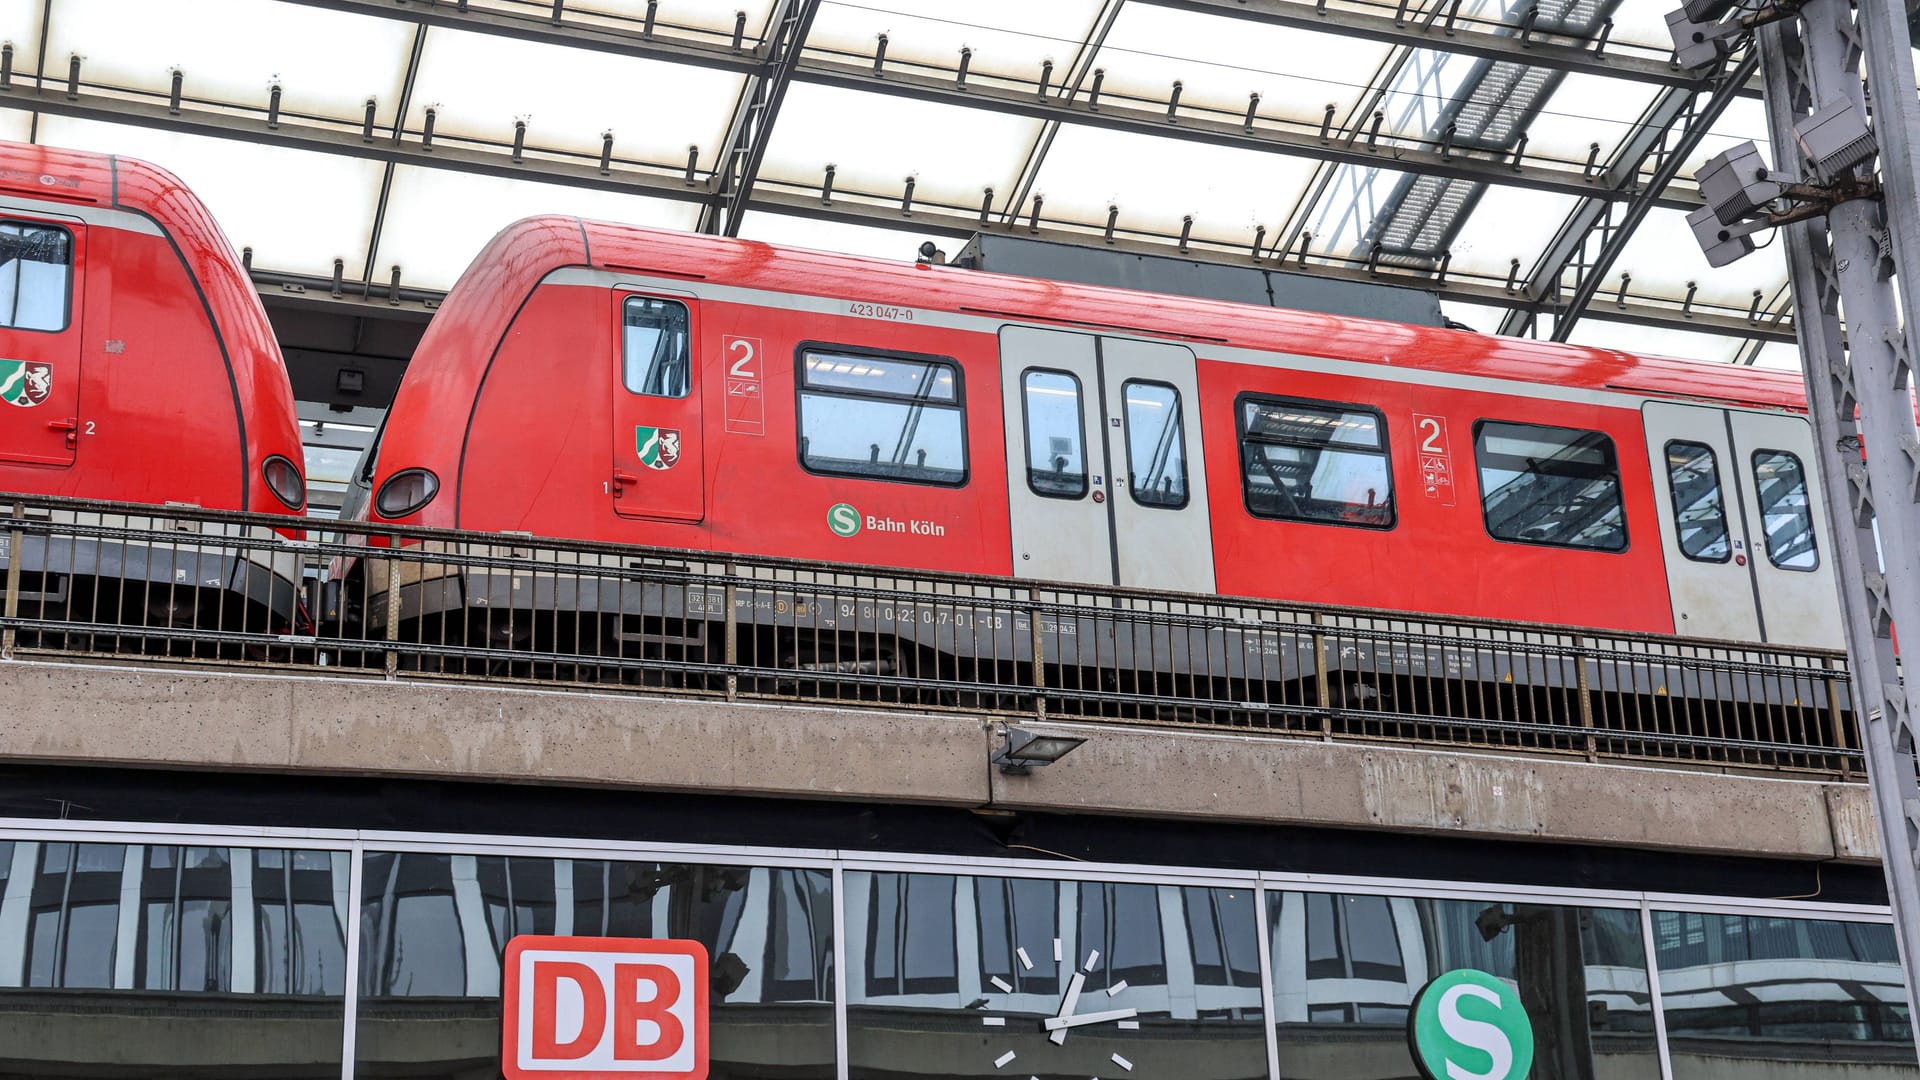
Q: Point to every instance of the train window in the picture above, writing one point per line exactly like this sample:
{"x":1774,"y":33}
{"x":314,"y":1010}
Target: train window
{"x":1315,"y":461}
{"x":1156,"y":444}
{"x":882,"y":417}
{"x":1056,"y":443}
{"x":1699,"y":514}
{"x":36,"y":267}
{"x":1781,"y":482}
{"x":1549,"y":485}
{"x":655,"y":347}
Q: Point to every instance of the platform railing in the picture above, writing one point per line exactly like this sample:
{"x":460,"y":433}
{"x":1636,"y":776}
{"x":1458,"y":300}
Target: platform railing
{"x":181,"y":585}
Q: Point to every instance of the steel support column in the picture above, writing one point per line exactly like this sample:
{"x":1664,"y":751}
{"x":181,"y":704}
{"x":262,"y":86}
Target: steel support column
{"x":1809,"y":67}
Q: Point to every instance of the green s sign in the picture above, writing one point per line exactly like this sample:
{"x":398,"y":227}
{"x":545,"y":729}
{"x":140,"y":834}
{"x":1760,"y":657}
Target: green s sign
{"x":1468,"y":1025}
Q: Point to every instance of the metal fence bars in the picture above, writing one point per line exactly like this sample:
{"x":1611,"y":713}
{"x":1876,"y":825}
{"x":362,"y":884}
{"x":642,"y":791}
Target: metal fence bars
{"x":187,"y":585}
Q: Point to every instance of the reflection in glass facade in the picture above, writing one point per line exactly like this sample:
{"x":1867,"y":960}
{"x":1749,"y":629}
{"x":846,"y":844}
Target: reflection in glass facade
{"x":433,"y":928}
{"x":961,"y":975}
{"x":197,"y":961}
{"x":1791,"y":999}
{"x":138,"y":960}
{"x":1346,"y":969}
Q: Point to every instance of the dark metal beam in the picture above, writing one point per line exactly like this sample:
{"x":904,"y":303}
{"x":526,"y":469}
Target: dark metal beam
{"x":1192,"y":125}
{"x":1433,"y":31}
{"x":1077,"y":73}
{"x":745,"y":147}
{"x":666,"y":43}
{"x":299,"y":134}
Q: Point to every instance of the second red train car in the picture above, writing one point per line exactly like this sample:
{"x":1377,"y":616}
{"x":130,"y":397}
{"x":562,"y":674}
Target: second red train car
{"x":595,"y":381}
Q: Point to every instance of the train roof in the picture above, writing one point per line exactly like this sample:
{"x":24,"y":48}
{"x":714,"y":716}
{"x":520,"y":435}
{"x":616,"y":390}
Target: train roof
{"x":515,"y":260}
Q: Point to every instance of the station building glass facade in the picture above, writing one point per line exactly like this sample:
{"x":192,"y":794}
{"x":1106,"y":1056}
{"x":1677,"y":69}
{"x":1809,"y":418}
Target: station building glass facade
{"x":139,"y":952}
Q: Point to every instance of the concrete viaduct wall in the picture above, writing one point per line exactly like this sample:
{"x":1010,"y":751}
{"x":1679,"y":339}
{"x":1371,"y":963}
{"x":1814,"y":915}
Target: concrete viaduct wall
{"x":94,"y":715}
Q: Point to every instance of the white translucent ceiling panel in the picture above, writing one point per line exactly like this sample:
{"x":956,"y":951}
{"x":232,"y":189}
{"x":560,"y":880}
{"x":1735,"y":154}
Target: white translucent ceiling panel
{"x":437,"y":221}
{"x":1008,"y":37}
{"x":1640,"y":27}
{"x":15,"y":125}
{"x":1155,"y":181}
{"x":1588,"y":109}
{"x":327,"y":63}
{"x":1507,"y":224}
{"x":877,"y":141}
{"x":1777,"y":355}
{"x":297,"y":210}
{"x":480,"y":83}
{"x":20,"y":25}
{"x":1655,"y":341}
{"x":902,"y":245}
{"x":1663,"y":257}
{"x":1220,"y":61}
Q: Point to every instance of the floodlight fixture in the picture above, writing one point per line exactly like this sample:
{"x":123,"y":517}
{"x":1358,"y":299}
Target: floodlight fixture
{"x":1699,"y":42}
{"x":1738,"y":182}
{"x":1706,"y":11}
{"x":1835,"y":139}
{"x":1024,"y":749}
{"x":1723,"y":243}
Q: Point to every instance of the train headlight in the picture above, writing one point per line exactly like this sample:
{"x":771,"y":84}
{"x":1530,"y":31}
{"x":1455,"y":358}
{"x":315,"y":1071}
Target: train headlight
{"x":405,"y":492}
{"x":283,"y":479}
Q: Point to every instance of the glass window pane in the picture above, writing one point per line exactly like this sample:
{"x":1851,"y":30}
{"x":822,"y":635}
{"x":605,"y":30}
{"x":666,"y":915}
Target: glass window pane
{"x":893,"y":376}
{"x":1156,"y":444}
{"x":1781,"y":486}
{"x":36,"y":264}
{"x":656,"y":347}
{"x":1553,"y":486}
{"x":1179,"y":1011}
{"x":1797,"y":999}
{"x":882,"y":417}
{"x":768,"y":933}
{"x":1343,"y":1015}
{"x":1699,"y":515}
{"x":1056,"y":443}
{"x":1307,"y":461}
{"x":135,"y":968}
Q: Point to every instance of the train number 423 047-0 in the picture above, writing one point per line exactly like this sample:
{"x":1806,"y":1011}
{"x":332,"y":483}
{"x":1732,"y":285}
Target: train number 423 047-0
{"x":880,"y":311}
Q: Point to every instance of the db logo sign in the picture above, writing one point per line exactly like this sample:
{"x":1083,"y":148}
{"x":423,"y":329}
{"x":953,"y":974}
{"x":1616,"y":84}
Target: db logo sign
{"x":577,"y":1008}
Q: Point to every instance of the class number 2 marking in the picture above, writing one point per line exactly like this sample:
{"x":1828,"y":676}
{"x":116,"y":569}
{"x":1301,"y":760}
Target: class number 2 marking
{"x":741,"y":366}
{"x":1430,"y":442}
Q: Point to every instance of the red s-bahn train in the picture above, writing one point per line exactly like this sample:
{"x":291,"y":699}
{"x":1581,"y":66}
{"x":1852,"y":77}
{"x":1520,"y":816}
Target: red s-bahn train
{"x":137,"y":365}
{"x":601,"y":382}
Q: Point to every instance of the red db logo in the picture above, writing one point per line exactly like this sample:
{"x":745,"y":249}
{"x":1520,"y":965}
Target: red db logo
{"x":578,"y":1008}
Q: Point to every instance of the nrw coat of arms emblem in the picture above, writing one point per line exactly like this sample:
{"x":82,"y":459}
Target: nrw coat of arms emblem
{"x":659,"y":448}
{"x":25,"y":383}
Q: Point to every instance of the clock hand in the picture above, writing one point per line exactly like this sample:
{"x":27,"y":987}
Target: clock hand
{"x":1059,"y":1023}
{"x":1059,"y":1034}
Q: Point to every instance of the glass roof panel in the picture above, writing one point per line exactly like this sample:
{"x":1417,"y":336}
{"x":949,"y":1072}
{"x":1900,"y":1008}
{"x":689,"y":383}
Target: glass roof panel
{"x":932,"y":32}
{"x":1296,"y":73}
{"x":1779,"y":356}
{"x":1227,"y":191}
{"x":877,"y":141}
{"x":1745,"y":119}
{"x":481,"y":83}
{"x":788,"y":231}
{"x":320,"y":206}
{"x":1508,"y":224}
{"x":713,"y":18}
{"x":437,"y":221}
{"x":20,"y":25}
{"x":327,"y":63}
{"x":15,"y":124}
{"x":1655,"y":341}
{"x":1663,"y":257}
{"x":1341,"y":217}
{"x":1588,"y":109}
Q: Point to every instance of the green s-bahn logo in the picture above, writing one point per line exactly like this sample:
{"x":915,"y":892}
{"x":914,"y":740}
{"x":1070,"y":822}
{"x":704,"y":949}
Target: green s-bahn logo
{"x":843,"y":519}
{"x":1468,"y":1025}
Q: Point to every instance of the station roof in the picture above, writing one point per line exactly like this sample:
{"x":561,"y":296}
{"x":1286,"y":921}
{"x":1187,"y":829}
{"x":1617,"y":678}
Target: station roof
{"x":1529,"y":160}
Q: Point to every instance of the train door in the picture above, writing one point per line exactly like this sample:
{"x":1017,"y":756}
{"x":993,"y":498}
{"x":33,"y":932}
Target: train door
{"x":1103,"y":475}
{"x":1785,"y":508}
{"x":40,"y":336}
{"x":658,"y":468}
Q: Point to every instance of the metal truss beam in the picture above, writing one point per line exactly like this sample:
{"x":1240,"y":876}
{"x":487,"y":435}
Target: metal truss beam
{"x":666,"y":44}
{"x":1598,"y":230}
{"x":745,"y":147}
{"x":1078,"y":71}
{"x":1350,"y":148}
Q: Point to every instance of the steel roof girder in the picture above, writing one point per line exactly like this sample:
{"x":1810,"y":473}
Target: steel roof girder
{"x":671,"y":48}
{"x":737,"y":168}
{"x":1343,"y":147}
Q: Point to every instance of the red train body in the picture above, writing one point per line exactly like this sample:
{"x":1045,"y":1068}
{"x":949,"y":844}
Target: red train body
{"x":136,"y":362}
{"x":602,"y":382}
